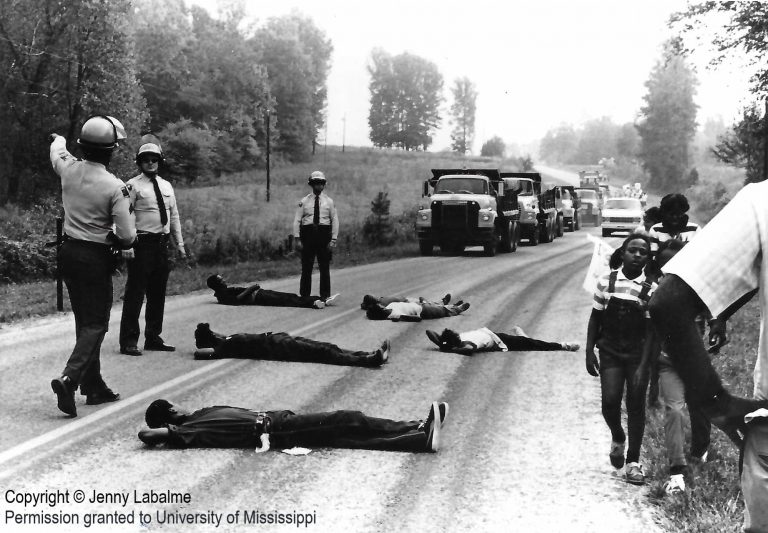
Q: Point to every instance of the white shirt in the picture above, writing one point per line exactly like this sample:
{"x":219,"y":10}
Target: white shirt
{"x":725,"y":261}
{"x":305,"y":213}
{"x":95,"y":201}
{"x":146,"y":209}
{"x":485,"y":339}
{"x":404,"y":308}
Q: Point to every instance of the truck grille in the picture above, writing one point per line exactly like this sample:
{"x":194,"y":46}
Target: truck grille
{"x":454,"y":215}
{"x":623,"y":219}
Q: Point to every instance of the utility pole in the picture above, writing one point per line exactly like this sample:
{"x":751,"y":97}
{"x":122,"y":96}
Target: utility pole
{"x":268,"y":150}
{"x":343,"y":133}
{"x":765,"y":141}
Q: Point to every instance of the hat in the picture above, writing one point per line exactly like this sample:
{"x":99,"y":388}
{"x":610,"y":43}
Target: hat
{"x":149,"y":148}
{"x":316,"y":177}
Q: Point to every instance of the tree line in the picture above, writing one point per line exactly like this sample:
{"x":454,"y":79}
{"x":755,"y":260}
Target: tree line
{"x":205,"y":85}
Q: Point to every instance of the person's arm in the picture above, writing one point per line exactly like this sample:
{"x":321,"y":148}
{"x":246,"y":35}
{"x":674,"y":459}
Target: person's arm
{"x":176,"y":226}
{"x":334,"y":223}
{"x":297,"y":222}
{"x":248,"y":292}
{"x":408,"y":318}
{"x":465,"y":348}
{"x":593,"y":332}
{"x":125,"y":222}
{"x":651,"y":351}
{"x":151,"y":437}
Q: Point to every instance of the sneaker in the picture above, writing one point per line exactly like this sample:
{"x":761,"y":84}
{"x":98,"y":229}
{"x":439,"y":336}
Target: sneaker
{"x":432,"y":429}
{"x":447,"y":299}
{"x":443,"y":410}
{"x":65,"y":396}
{"x":205,"y":354}
{"x":331,"y":298}
{"x":700,"y":459}
{"x":318,"y":304}
{"x":634,"y":474}
{"x":517,"y":331}
{"x":616,"y":455}
{"x":434,"y":336}
{"x":675,"y":484}
{"x":571,"y":346}
{"x":385,"y":349}
{"x":463,"y":307}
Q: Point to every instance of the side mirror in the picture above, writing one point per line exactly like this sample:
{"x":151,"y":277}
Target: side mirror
{"x":425,"y":189}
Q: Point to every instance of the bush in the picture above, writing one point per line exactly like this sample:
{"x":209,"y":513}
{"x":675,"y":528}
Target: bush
{"x":377,"y":228}
{"x":189,"y":151}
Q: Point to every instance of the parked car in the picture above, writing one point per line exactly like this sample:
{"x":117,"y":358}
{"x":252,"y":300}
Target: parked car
{"x":621,"y":214}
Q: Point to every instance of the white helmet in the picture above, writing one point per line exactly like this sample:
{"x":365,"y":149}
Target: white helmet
{"x":316,"y":177}
{"x":101,"y":132}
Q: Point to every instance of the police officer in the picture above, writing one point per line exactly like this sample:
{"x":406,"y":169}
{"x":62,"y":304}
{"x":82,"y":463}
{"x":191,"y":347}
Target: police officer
{"x":96,"y":217}
{"x":157,"y":218}
{"x":316,"y":228}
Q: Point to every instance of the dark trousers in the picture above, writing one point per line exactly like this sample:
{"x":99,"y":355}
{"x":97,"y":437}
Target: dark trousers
{"x":314,"y":244}
{"x":347,"y":429}
{"x":430,"y":310}
{"x":674,"y":307}
{"x":615,"y":373}
{"x":517,"y":343}
{"x":87,"y":272}
{"x":285,"y":347}
{"x":282,"y":299}
{"x":147,"y":275}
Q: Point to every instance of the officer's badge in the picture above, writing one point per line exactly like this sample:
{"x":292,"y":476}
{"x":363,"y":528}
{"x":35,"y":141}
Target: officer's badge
{"x":125,"y":192}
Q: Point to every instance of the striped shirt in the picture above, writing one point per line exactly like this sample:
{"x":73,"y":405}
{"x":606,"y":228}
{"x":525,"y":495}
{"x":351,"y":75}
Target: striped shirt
{"x":726,"y":261}
{"x":659,"y":235}
{"x":625,"y":289}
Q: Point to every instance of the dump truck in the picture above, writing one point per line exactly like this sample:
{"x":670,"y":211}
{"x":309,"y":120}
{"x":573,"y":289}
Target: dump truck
{"x":538,"y":213}
{"x":467,"y":207}
{"x":567,"y":204}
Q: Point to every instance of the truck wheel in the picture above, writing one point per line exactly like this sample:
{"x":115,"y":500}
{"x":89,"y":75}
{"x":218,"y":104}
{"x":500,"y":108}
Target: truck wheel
{"x":490,"y":249}
{"x":547,"y":234}
{"x":505,"y":237}
{"x":606,"y":232}
{"x":515,"y":236}
{"x":425,"y":247}
{"x":560,"y":225}
{"x":533,"y":239}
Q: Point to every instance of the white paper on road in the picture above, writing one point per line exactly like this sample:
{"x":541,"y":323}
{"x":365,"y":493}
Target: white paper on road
{"x":297,"y":451}
{"x":598,"y":266}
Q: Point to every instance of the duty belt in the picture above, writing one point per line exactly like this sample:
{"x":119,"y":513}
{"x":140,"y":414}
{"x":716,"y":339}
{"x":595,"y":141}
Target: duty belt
{"x":152,"y":237}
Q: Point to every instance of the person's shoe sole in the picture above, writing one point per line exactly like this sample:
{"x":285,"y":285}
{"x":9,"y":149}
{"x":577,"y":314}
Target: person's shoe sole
{"x":204,"y":354}
{"x":65,"y":400}
{"x":331,"y":298}
{"x":447,"y":299}
{"x":434,"y":337}
{"x":443,"y":410}
{"x":385,"y":348}
{"x":319,"y":304}
{"x":433,"y":436}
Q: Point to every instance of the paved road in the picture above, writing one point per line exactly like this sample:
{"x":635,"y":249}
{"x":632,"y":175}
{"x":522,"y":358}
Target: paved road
{"x":525,"y":446}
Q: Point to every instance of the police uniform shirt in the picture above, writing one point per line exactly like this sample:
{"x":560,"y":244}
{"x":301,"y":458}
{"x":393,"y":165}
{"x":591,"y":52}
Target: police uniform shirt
{"x":146,"y":209}
{"x":95,"y":201}
{"x":305,"y":213}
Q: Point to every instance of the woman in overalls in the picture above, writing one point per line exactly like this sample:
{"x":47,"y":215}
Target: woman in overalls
{"x":620,"y":328}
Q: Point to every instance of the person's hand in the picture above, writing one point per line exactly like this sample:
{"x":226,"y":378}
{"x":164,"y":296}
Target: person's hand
{"x":297,"y":244}
{"x":639,"y":379}
{"x":332,"y":244}
{"x":717,"y":335}
{"x":593,"y":367}
{"x":182,"y":251}
{"x":128,"y":254}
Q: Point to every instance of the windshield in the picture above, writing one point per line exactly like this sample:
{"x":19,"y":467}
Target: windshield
{"x":624,"y":203}
{"x":468,"y":184}
{"x":523,"y":187}
{"x":587,"y":194}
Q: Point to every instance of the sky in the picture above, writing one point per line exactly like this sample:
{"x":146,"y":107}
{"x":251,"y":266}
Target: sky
{"x":535,"y":64}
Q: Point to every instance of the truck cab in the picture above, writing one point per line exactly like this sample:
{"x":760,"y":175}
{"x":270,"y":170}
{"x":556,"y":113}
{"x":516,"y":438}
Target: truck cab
{"x":467,"y":207}
{"x":538,"y":216}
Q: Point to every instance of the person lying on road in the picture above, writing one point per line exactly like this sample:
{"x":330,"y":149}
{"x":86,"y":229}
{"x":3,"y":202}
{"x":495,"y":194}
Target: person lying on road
{"x":414,"y":311}
{"x":236,"y":427}
{"x":281,"y":347}
{"x":370,"y":300}
{"x":485,"y":340}
{"x":255,"y":295}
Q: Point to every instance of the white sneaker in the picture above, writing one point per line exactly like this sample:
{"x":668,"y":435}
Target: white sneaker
{"x":571,"y":346}
{"x":633,"y":473}
{"x":702,"y":459}
{"x":676,"y":484}
{"x":331,"y":298}
{"x":319,"y":304}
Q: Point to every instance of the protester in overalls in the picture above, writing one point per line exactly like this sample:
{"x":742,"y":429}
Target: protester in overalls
{"x":619,"y":327}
